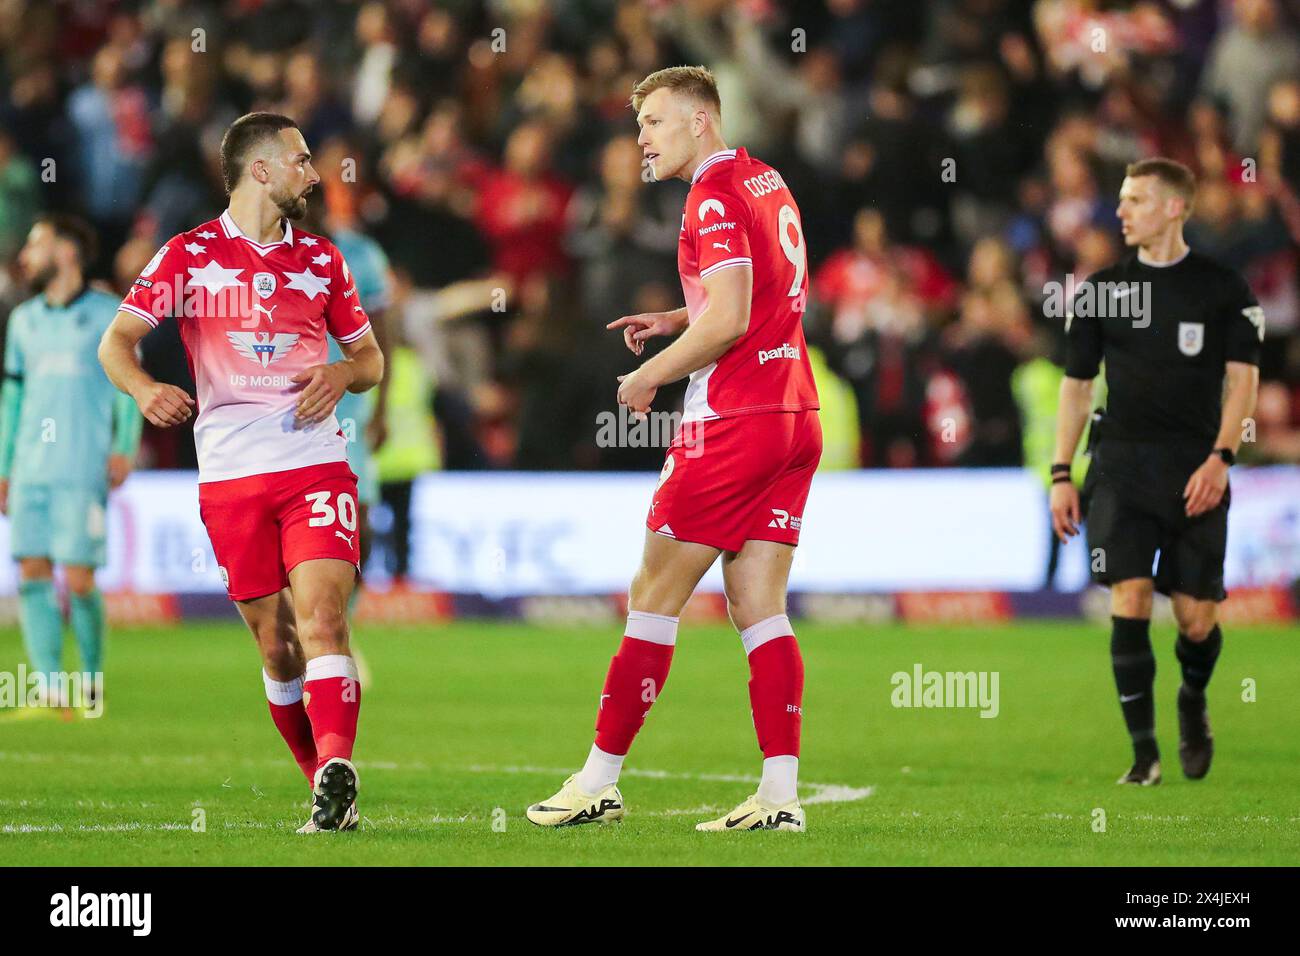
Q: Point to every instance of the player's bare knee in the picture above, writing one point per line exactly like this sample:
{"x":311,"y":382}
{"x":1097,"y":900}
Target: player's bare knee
{"x":35,"y":569}
{"x":1196,"y":622}
{"x":655,"y":593}
{"x":740,"y":610}
{"x":324,"y":630}
{"x":1131,"y":598}
{"x":277,"y":642}
{"x":283,"y":660}
{"x":752,"y":601}
{"x":81,"y":581}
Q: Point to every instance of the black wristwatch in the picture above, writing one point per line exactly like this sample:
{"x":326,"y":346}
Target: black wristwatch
{"x":1227,"y":455}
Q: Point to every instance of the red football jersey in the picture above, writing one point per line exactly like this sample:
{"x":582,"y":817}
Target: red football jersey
{"x":739,"y":212}
{"x":251,"y":317}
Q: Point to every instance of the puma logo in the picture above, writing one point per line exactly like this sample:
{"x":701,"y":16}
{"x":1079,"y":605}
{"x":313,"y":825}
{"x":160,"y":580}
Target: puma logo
{"x":345,"y":537}
{"x":723,"y":245}
{"x":270,"y":313}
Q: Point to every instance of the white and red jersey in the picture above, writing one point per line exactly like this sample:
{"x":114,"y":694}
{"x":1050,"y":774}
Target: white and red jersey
{"x":739,"y":212}
{"x":251,"y":317}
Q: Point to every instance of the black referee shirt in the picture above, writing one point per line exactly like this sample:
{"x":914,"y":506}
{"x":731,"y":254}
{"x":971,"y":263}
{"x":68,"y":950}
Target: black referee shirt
{"x":1165,"y":333}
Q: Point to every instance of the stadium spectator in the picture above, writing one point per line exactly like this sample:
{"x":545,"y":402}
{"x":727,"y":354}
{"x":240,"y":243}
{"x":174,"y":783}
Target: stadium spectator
{"x":484,"y":160}
{"x":19,"y":196}
{"x":1247,"y":57}
{"x":110,"y":115}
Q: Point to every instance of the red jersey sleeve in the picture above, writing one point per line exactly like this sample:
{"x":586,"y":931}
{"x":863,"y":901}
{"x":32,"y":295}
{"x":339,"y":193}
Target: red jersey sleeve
{"x":344,"y":316}
{"x":158,"y":292}
{"x":717,"y":224}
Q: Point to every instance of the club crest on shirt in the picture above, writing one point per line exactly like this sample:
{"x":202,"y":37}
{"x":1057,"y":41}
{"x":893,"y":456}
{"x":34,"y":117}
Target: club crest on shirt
{"x":264,"y":284}
{"x":1191,"y":337}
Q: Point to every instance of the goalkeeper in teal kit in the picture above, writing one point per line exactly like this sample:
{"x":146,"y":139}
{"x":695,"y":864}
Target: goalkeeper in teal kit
{"x":66,"y":437}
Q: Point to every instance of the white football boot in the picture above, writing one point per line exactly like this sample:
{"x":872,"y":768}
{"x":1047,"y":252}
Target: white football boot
{"x":755,"y":815}
{"x":570,"y":806}
{"x":334,"y":798}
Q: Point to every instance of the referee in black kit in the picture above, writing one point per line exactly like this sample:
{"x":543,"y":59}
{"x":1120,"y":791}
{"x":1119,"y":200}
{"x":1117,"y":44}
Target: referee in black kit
{"x":1172,"y":326}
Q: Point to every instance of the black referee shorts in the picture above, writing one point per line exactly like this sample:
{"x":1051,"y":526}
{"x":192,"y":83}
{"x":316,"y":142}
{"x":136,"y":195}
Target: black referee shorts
{"x":1133,"y":504}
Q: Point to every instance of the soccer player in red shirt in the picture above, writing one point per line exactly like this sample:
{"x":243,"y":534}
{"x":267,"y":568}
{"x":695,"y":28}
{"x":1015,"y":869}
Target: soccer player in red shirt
{"x":254,"y":299}
{"x":736,"y":477}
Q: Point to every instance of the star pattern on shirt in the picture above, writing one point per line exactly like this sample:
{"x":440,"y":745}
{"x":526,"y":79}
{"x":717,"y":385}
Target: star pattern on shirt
{"x":206,"y":234}
{"x":308,"y":282}
{"x":214,"y":277}
{"x":193,"y":248}
{"x":307,"y":240}
{"x":321,"y":259}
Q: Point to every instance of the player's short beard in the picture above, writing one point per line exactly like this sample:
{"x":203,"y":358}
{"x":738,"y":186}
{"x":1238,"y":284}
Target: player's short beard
{"x":40,"y":280}
{"x":291,"y":206}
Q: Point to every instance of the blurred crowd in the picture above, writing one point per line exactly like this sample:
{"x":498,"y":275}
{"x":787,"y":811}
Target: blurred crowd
{"x":950,"y":158}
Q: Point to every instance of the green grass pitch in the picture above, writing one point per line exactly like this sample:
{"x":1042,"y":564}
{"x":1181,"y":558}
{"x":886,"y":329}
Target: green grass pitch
{"x":465,"y":724}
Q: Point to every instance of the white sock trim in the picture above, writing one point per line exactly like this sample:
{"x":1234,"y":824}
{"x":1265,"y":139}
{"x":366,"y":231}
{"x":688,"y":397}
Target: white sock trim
{"x":282,"y":692}
{"x":757,"y":635}
{"x":600,"y":770}
{"x":656,"y":628}
{"x":779,"y":785}
{"x":331,"y":665}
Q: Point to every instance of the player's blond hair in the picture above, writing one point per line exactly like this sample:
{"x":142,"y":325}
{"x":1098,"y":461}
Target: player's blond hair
{"x":1176,"y":177}
{"x":696,"y":82}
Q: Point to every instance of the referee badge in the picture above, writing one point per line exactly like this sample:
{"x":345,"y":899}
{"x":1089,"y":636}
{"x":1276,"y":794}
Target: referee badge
{"x":1191,"y":336}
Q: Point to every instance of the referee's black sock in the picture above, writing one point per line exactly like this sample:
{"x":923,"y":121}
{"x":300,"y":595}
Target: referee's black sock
{"x":1197,"y":659}
{"x":1135,"y":674}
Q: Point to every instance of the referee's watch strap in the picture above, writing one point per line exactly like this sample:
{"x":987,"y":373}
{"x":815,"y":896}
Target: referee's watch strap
{"x":1228,"y":455}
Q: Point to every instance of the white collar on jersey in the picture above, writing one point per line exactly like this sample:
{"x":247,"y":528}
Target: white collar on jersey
{"x":1163,"y":265}
{"x":233,"y":231}
{"x":712,"y":160}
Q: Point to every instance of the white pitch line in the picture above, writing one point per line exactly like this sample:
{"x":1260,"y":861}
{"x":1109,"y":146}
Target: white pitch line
{"x":188,"y":760}
{"x":814,"y":792}
{"x":821,"y":792}
{"x":287,"y":827}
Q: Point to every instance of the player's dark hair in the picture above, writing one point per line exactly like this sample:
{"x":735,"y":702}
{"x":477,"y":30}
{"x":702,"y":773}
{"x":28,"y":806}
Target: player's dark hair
{"x":248,"y":131}
{"x":1173,"y":174}
{"x":77,"y":230}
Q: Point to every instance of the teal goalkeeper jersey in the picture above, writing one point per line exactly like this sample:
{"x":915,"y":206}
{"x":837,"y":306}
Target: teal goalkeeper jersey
{"x":65,"y":423}
{"x":369,"y":267}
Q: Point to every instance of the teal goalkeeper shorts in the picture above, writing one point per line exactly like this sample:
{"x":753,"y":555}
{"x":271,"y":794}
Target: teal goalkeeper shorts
{"x":64,"y":523}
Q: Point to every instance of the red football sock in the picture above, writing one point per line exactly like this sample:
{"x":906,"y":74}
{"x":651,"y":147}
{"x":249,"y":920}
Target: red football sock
{"x":333,"y":697}
{"x":284,"y":698}
{"x":775,"y":685}
{"x":635,"y":679}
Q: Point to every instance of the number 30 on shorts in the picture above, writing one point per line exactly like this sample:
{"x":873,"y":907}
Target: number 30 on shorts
{"x":344,"y":510}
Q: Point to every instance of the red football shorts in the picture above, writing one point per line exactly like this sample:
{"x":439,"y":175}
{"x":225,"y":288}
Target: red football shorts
{"x":732,"y":480}
{"x":263,"y":526}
